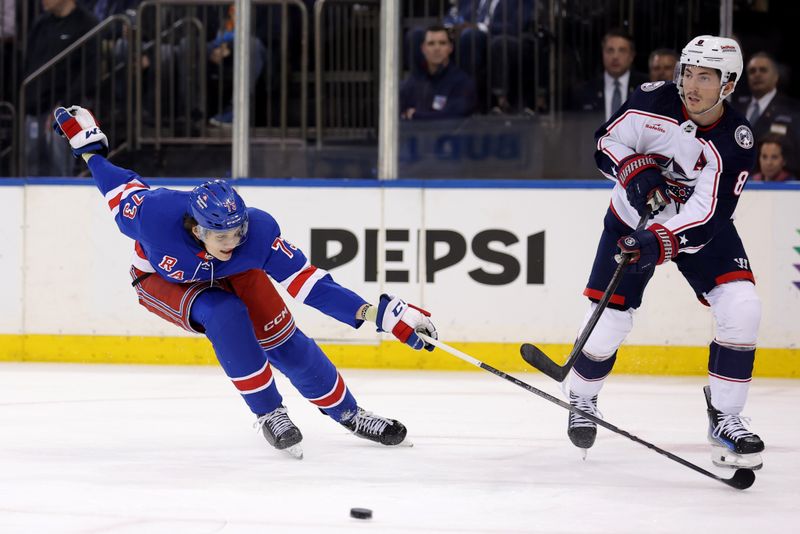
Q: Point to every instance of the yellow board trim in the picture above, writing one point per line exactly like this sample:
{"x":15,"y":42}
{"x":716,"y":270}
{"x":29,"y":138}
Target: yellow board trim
{"x":651,"y":360}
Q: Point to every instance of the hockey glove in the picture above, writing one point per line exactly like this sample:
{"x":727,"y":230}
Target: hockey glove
{"x":404,"y":321}
{"x":79,"y":126}
{"x":648,"y":248}
{"x":641,"y":177}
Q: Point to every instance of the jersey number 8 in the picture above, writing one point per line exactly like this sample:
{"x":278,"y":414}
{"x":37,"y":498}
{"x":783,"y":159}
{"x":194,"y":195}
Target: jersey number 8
{"x":740,"y":181}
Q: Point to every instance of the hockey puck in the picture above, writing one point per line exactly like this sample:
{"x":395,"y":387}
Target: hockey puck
{"x":361,"y":513}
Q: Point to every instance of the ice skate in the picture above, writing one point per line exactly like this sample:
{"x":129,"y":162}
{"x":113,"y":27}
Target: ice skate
{"x":581,"y":431}
{"x":732,"y":444}
{"x":280,"y":432}
{"x":379,"y":429}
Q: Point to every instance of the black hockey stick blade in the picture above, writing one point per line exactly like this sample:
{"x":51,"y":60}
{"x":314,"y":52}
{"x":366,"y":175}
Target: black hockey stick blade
{"x":538,"y":359}
{"x":741,"y":479}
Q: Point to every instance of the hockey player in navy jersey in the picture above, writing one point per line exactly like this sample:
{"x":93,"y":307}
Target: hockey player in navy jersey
{"x":685,"y":142}
{"x":203,"y":261}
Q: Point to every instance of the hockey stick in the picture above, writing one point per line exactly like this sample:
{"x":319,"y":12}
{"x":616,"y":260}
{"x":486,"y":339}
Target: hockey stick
{"x":741,"y":479}
{"x":535,"y":357}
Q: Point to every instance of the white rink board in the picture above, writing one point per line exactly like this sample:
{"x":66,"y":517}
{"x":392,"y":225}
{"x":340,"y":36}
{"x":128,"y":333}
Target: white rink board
{"x":74,"y":279}
{"x":12,"y":222}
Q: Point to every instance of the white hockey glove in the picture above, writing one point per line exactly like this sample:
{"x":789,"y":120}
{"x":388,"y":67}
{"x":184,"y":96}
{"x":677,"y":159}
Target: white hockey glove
{"x":404,"y":321}
{"x":79,"y":126}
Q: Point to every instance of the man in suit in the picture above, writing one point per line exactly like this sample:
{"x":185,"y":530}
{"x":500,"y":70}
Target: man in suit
{"x":661,"y":63}
{"x":609,"y":91}
{"x":768,"y":111}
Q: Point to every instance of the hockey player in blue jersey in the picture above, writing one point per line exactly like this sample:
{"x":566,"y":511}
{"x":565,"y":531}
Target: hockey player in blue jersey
{"x":685,"y":142}
{"x":203,"y":261}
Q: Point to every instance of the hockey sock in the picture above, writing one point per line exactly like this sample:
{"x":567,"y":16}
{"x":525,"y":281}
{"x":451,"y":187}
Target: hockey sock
{"x":586,"y":378}
{"x":729,"y":374}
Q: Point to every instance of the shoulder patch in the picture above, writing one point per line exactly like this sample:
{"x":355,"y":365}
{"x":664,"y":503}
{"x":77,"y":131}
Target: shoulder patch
{"x":651,"y":86}
{"x":743,"y":136}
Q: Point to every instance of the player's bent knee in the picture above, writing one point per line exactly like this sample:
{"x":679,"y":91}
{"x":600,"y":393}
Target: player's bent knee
{"x":220,"y":312}
{"x":611,"y":330}
{"x":737,"y":312}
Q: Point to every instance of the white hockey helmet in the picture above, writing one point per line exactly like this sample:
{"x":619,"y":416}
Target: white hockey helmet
{"x":720,"y":53}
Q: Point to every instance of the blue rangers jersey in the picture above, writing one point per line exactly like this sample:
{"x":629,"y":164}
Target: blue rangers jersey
{"x":154,"y":219}
{"x":706,"y":167}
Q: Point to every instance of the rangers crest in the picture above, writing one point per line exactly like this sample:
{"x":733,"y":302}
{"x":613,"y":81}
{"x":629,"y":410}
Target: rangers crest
{"x":744,"y":137}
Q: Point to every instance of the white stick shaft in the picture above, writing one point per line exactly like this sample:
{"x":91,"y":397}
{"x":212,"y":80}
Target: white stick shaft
{"x":447,"y":348}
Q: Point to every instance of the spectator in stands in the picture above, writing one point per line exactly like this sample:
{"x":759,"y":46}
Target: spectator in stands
{"x":662,"y":63}
{"x":443,"y":90}
{"x":769,"y":111}
{"x":220,"y":58}
{"x":771,"y":163}
{"x":471,"y":22}
{"x":610,"y":90}
{"x":105,"y":8}
{"x":62,"y":23}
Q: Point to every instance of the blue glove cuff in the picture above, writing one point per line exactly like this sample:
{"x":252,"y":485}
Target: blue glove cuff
{"x":382,"y":303}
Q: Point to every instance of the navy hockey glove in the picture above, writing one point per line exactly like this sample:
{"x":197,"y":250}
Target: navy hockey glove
{"x":648,"y":248}
{"x":641,"y":177}
{"x":404,"y":321}
{"x":79,"y":126}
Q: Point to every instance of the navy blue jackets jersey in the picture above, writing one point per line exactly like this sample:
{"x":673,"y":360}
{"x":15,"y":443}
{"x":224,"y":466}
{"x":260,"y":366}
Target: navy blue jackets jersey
{"x":154,"y":218}
{"x":706,"y":167}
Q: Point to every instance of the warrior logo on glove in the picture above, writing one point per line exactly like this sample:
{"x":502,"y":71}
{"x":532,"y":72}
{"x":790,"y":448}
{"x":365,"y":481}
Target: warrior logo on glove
{"x":404,"y":321}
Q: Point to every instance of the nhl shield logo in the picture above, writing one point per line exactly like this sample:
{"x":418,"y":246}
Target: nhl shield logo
{"x":744,"y":137}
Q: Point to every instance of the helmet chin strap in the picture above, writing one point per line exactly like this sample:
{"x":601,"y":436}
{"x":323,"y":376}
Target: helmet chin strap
{"x":719,"y":100}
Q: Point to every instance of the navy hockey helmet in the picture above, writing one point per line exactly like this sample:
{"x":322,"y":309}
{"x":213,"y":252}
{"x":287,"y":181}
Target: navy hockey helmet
{"x":217,"y":207}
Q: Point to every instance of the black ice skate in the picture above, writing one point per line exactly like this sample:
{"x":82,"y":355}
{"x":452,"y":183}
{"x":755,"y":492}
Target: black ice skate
{"x":732,"y":444}
{"x":375,"y":428}
{"x":580,"y":430}
{"x":280,"y":432}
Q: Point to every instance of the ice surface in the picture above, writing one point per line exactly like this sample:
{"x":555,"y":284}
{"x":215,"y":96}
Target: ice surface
{"x":137,"y":449}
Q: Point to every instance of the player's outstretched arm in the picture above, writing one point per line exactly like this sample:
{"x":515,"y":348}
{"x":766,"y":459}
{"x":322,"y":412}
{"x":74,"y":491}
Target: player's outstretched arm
{"x":79,"y":127}
{"x":403,"y":320}
{"x":123,"y":189}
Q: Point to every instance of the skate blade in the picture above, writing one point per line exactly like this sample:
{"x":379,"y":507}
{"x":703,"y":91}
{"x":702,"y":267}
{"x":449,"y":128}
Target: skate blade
{"x":583,"y":453}
{"x":724,"y":457}
{"x":295,"y":451}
